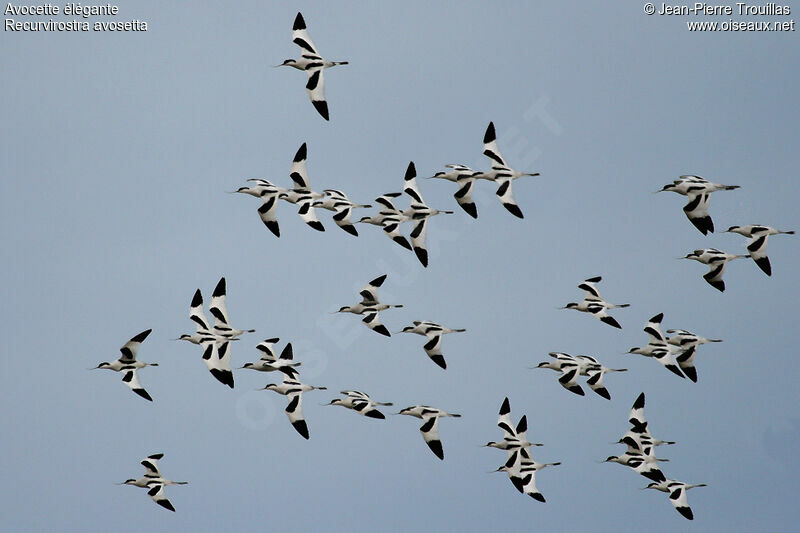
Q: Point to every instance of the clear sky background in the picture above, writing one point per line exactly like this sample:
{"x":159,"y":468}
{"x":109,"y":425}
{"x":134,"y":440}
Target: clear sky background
{"x":116,"y":153}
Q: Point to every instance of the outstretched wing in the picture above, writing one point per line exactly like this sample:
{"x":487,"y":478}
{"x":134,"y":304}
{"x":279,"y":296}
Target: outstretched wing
{"x":131,"y":347}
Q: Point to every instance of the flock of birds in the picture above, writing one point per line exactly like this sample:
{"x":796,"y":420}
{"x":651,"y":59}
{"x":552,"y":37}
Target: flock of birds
{"x":215,"y":338}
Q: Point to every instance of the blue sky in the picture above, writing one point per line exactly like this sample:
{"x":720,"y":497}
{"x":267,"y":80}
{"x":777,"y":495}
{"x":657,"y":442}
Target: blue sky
{"x":116,"y":156}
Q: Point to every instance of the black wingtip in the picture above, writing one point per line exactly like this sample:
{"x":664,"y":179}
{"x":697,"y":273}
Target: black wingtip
{"x":375,"y":414}
{"x":470,"y":209}
{"x":422,"y":255}
{"x":639,"y":403}
{"x":537,"y":496}
{"x":316,"y":224}
{"x":690,"y":372}
{"x":272,"y":225}
{"x":143,"y":394}
{"x":197,"y":299}
{"x":490,"y":135}
{"x":411,"y":171}
{"x":301,"y":427}
{"x":166,"y":505}
{"x":657,"y":318}
{"x":377,"y":282}
{"x":717,"y":284}
{"x":514,"y":210}
{"x":382,"y":330}
{"x":439,"y":360}
{"x":436,"y":448}
{"x":223,"y":376}
{"x":402,"y":241}
{"x":675,"y":370}
{"x":141,"y":336}
{"x":577,"y":390}
{"x":686,"y":512}
{"x":604,"y":393}
{"x":763,"y":264}
{"x":219,"y":290}
{"x":322,"y":107}
{"x":299,"y":22}
{"x":611,"y":321}
{"x":505,"y":407}
{"x":351,"y":229}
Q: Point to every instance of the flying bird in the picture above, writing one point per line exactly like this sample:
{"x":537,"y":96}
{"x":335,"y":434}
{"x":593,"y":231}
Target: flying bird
{"x":269,"y":194}
{"x":128,"y":364}
{"x":360,"y":403}
{"x":293,"y":390}
{"x":369,"y":306}
{"x":658,"y":348}
{"x":594,"y":304}
{"x":313,"y":64}
{"x":338,"y":202}
{"x":698,"y":191}
{"x":430,"y":425}
{"x":501,"y":173}
{"x":301,"y":194}
{"x":716,"y":261}
{"x":677,"y":494}
{"x":464,"y":177}
{"x":419,"y":213}
{"x":757,"y":243}
{"x":433,"y":332}
{"x":154,"y":482}
{"x":269,"y":362}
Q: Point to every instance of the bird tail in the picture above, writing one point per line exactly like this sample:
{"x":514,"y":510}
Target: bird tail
{"x":731,"y":187}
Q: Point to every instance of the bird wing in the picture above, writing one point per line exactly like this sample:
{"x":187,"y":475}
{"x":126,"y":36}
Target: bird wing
{"x":132,"y":381}
{"x":217,"y":307}
{"x":418,"y":241}
{"x":300,"y":36}
{"x":217,"y":356}
{"x":696,"y":210}
{"x":373,"y":322}
{"x":590,"y":288}
{"x":464,"y":195}
{"x":156,"y":492}
{"x":369,"y":294}
{"x":315,"y":87}
{"x":309,"y":214}
{"x":341,"y":217}
{"x":757,"y":247}
{"x":150,"y":463}
{"x":491,"y":150}
{"x":196,"y":313}
{"x":410,"y":185}
{"x":265,"y":347}
{"x":636,"y":417}
{"x":132,"y":346}
{"x":298,"y":172}
{"x":267,"y":212}
{"x":568,"y":378}
{"x":386,"y":200}
{"x":504,"y":420}
{"x":506,"y":196}
{"x":679,"y":500}
{"x":430,"y":432}
{"x":433,"y":347}
{"x":391,"y":226}
{"x":653,"y":329}
{"x":295,"y":413}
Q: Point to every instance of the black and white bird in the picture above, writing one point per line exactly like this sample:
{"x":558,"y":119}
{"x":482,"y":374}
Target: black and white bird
{"x":215,"y":341}
{"x":128,"y":364}
{"x":430,"y":425}
{"x":338,"y":202}
{"x":389,"y":218}
{"x":581,"y":365}
{"x":643,"y":464}
{"x":657,"y":347}
{"x":433,"y":332}
{"x":716,"y":261}
{"x":301,"y":194}
{"x":369,"y":306}
{"x":677,"y":494}
{"x":514,"y":437}
{"x":361,"y":403}
{"x":269,"y":194}
{"x":522,"y":470}
{"x":638,"y":438}
{"x":757,"y":242}
{"x":313,"y":64}
{"x":594,"y":304}
{"x":464,"y":177}
{"x":269,"y":362}
{"x":419,"y":213}
{"x":154,"y":482}
{"x":698,"y":191}
{"x":293,"y":390}
{"x":501,"y":173}
{"x":682,"y":337}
